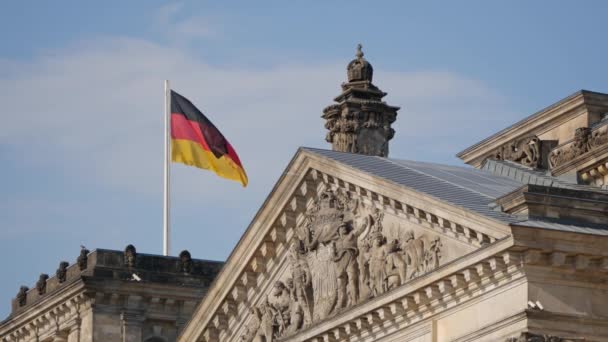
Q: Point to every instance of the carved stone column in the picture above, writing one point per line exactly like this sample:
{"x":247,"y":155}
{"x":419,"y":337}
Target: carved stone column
{"x":132,"y":322}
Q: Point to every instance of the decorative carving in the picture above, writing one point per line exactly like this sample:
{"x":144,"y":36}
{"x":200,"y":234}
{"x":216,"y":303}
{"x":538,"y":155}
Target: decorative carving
{"x":301,"y":282}
{"x":359,"y":69}
{"x":41,"y":283}
{"x":83,"y":258}
{"x":62,"y":271}
{"x":22,"y":295}
{"x":130,"y":255}
{"x":529,"y":337}
{"x":185,"y":262}
{"x":584,"y":141}
{"x":525,"y":151}
{"x":340,"y":257}
{"x":361,"y":121}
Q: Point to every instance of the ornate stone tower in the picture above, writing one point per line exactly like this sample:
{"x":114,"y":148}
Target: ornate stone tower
{"x":360,"y":122}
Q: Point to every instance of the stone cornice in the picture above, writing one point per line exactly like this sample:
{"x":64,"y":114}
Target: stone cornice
{"x":273,"y":227}
{"x":56,"y":312}
{"x":576,"y":104}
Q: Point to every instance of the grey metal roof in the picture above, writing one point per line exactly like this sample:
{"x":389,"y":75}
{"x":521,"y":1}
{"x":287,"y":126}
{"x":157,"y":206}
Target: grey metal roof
{"x":464,"y":187}
{"x":565,"y":227}
{"x":526,"y":175}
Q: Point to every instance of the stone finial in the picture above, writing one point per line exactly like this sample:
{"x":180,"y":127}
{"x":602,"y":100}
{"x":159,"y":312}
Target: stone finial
{"x":359,"y":69}
{"x":359,"y":53}
{"x":185,"y":261}
{"x":62,"y":271}
{"x":83,"y":258}
{"x":22,"y":295}
{"x":41,"y":283}
{"x":130,"y":256}
{"x":360,"y":122}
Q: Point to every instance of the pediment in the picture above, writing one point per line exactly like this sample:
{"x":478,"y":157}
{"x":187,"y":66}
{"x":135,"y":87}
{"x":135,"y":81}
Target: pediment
{"x":327,"y":240}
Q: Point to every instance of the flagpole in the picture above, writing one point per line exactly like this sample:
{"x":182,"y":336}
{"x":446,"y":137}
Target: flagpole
{"x":167,"y":161}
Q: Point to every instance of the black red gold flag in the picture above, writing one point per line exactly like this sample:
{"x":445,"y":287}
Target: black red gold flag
{"x":197,"y":142}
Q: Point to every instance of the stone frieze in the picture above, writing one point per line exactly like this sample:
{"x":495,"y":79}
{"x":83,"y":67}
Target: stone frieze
{"x":341,"y":256}
{"x":525,"y":151}
{"x":585,"y":140}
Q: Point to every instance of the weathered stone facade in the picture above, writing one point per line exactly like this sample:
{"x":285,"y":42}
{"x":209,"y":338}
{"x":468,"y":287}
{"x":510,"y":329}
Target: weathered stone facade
{"x":110,"y":296}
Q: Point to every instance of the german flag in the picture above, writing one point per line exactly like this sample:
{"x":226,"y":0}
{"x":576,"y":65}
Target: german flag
{"x":197,"y":142}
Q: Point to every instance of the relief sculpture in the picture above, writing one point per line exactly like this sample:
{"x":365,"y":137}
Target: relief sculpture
{"x":584,"y":141}
{"x":525,"y":151}
{"x":340,"y":257}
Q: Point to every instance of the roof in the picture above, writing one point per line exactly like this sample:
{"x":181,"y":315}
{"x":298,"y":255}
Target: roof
{"x":528,"y":175}
{"x":465,"y":187}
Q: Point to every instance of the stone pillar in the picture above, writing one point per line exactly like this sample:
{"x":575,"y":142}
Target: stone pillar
{"x":60,"y":337}
{"x":74,"y":334}
{"x":132,"y":323}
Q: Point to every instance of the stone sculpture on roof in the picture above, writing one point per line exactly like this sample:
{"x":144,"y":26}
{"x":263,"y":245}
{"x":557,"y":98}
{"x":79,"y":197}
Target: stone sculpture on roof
{"x":360,"y":122}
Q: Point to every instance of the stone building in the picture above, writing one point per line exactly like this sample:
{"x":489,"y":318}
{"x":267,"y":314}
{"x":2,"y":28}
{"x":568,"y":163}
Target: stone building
{"x":111,"y":296}
{"x":352,"y":245}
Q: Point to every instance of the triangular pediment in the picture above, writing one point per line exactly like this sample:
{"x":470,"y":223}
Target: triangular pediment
{"x":328,"y":239}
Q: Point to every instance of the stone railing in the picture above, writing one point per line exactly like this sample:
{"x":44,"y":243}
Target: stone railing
{"x":111,"y":264}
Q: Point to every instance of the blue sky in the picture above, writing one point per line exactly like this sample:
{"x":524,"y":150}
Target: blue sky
{"x":81,"y":91}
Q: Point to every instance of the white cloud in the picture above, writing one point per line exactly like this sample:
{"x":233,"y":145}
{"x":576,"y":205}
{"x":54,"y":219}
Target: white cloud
{"x":181,"y":27}
{"x":98,"y":107}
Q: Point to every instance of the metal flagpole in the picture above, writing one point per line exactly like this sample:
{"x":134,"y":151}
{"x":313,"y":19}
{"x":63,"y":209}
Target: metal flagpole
{"x":167,"y":161}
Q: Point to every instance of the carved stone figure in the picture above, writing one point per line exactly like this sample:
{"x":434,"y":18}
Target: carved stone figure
{"x":185,"y":262}
{"x":41,"y":283}
{"x":525,"y":151}
{"x":432,"y":255}
{"x":361,"y":121}
{"x":252,"y":329}
{"x":414,"y":255}
{"x":318,"y":234}
{"x":130,"y":256}
{"x":584,"y":141}
{"x":22,"y":295}
{"x":396,"y":267}
{"x":83,"y":259}
{"x":347,"y":267}
{"x":296,"y":312}
{"x":377,"y":262}
{"x":279,"y":303}
{"x":301,"y":282}
{"x":266,"y":332}
{"x":62,"y":271}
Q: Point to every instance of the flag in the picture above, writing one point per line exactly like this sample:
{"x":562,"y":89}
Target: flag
{"x":195,"y":141}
